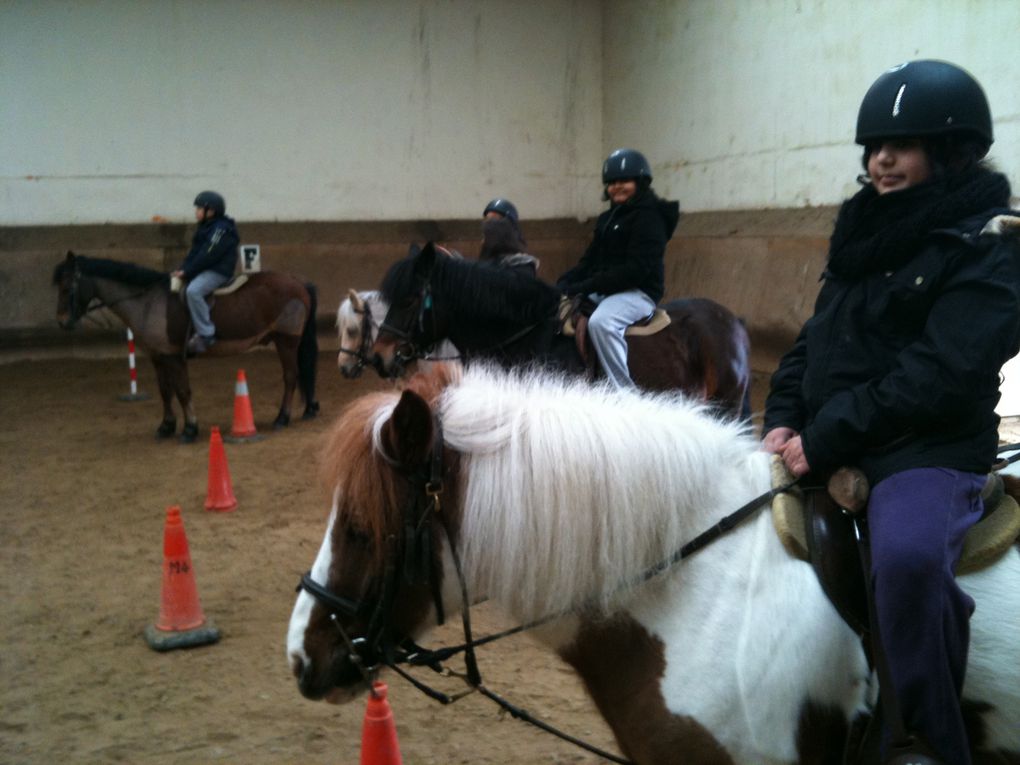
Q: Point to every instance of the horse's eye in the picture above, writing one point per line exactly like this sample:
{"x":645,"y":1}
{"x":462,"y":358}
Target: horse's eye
{"x":356,"y":537}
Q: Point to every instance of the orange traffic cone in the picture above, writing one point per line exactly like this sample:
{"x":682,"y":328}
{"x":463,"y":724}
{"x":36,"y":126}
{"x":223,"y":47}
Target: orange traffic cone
{"x":243,"y":428}
{"x":181,"y":622}
{"x":379,"y":744}
{"x":220,"y":495}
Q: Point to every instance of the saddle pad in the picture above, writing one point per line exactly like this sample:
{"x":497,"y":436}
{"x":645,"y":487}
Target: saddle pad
{"x":177,"y":285}
{"x":990,"y":537}
{"x":232,"y":286}
{"x":986,"y":541}
{"x":659,"y":321}
{"x":788,"y":512}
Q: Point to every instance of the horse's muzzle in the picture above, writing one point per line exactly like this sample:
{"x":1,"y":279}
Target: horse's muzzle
{"x":388,"y":371}
{"x":339,"y":683}
{"x":352,"y":372}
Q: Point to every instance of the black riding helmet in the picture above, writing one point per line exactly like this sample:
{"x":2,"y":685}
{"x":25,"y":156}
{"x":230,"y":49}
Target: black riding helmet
{"x":626,"y":163}
{"x":210,"y":200}
{"x":502,"y":206}
{"x":922,"y":99}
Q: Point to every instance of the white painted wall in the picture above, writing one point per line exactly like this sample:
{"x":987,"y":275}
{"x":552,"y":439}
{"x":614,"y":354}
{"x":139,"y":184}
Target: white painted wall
{"x":753,"y":103}
{"x":121,"y":110}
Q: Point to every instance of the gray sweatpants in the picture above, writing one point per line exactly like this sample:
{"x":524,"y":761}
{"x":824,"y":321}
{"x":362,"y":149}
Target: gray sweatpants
{"x":608,"y":323}
{"x":197,"y":289}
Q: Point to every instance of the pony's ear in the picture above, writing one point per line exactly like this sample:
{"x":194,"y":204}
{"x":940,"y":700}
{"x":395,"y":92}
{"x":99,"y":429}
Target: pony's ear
{"x":407,"y":434}
{"x":412,"y":250}
{"x":356,"y":302}
{"x":70,"y":257}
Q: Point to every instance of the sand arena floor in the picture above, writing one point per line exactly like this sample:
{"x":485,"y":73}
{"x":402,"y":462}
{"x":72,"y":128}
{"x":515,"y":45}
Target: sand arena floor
{"x":83,"y":499}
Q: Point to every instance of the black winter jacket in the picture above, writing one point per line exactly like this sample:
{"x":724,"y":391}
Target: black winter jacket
{"x":627,"y":249}
{"x":213,"y":248}
{"x":899,"y":369}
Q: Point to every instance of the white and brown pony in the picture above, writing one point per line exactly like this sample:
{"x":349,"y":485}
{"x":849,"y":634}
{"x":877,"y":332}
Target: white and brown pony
{"x":556,"y":498}
{"x":357,"y":324}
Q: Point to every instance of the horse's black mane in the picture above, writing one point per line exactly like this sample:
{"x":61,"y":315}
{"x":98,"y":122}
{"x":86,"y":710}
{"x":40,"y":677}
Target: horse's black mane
{"x":115,"y":270}
{"x":482,"y":290}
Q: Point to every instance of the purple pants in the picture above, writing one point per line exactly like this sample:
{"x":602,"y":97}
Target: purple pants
{"x":917,"y":520}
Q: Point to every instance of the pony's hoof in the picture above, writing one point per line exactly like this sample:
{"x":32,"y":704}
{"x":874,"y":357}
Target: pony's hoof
{"x":311,"y":411}
{"x":189,"y":434}
{"x":281,"y":422}
{"x":166,"y":429}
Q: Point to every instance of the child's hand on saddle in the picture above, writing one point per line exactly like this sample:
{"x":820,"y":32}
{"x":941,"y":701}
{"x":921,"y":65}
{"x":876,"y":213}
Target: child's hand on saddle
{"x":793,"y":457}
{"x":776,"y":439}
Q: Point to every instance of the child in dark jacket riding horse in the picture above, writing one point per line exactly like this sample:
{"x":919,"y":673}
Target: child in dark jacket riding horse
{"x":622,"y":270}
{"x":209,"y":264}
{"x":897,"y":372}
{"x":502,"y":241}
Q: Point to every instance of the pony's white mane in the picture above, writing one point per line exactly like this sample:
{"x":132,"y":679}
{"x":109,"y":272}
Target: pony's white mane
{"x":571,"y":491}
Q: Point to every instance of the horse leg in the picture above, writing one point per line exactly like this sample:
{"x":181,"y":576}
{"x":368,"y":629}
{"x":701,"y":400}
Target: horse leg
{"x":178,"y":383}
{"x":168,"y":426}
{"x":287,"y":350}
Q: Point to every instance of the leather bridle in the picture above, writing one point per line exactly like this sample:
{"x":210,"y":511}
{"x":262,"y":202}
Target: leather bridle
{"x":410,"y":558}
{"x":409,"y":349}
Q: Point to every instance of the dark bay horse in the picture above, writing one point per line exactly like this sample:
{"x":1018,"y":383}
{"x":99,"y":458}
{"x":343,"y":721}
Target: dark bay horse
{"x":494,"y":313}
{"x":269,"y":308}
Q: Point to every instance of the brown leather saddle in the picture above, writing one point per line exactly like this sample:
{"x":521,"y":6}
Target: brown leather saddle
{"x":817,"y":525}
{"x":575,"y":312}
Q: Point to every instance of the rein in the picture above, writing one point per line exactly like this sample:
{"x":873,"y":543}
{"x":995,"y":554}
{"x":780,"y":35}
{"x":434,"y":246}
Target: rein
{"x":381,"y":650}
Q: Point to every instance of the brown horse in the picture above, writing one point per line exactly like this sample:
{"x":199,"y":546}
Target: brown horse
{"x":269,"y":308}
{"x":493,"y":313}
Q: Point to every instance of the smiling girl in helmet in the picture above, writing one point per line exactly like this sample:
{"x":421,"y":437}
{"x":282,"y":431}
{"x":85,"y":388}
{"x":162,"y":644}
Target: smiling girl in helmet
{"x":622,"y":270}
{"x":897,"y":372}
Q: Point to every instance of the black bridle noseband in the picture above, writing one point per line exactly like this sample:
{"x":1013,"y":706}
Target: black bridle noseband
{"x":415,"y":559}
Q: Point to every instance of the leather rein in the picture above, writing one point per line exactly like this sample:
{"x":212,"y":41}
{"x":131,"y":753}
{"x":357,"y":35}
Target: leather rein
{"x":411,"y":558}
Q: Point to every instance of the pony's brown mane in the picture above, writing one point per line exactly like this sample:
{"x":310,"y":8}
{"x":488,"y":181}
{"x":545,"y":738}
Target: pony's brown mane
{"x":371,"y":485}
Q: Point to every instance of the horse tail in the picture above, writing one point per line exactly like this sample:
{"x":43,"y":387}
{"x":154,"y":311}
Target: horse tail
{"x":308,"y":353}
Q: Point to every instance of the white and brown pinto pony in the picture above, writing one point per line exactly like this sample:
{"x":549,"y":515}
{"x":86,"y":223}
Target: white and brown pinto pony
{"x":357,"y":324}
{"x":556,"y":497}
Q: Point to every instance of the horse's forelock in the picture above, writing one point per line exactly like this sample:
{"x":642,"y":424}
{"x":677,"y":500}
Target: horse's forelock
{"x":367,"y":489}
{"x":59,"y":270}
{"x":398,"y":280}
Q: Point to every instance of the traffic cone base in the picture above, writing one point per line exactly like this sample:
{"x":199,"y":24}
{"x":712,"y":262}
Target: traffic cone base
{"x":181,"y":622}
{"x":220,"y":494}
{"x":379,"y":745}
{"x":243,"y":428}
{"x":161,"y":640}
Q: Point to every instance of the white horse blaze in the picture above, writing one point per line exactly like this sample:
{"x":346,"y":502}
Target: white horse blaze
{"x":303,"y":606}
